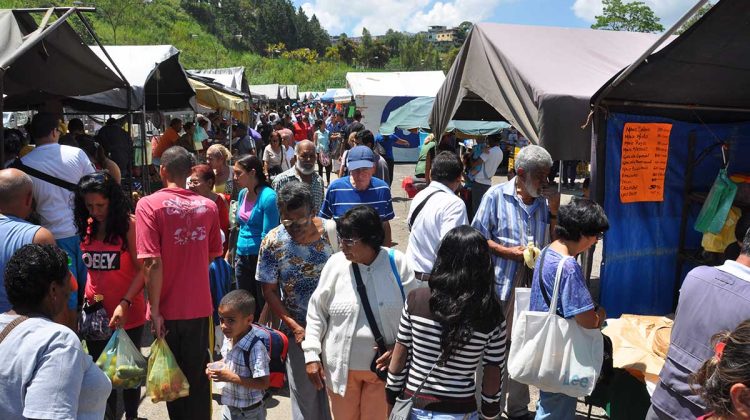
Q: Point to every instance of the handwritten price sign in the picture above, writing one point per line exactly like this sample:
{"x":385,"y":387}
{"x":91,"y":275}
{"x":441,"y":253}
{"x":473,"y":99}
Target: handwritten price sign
{"x":645,"y":149}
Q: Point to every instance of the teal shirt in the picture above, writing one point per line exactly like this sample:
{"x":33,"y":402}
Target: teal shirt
{"x":263,"y":218}
{"x":323,"y":141}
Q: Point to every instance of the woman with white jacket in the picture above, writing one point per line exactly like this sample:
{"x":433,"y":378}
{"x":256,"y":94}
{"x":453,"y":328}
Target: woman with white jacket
{"x":340,"y":343}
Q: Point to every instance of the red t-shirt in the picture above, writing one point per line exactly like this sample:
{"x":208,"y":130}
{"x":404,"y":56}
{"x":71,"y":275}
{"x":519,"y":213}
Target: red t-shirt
{"x":300,"y":131}
{"x":221,"y":205}
{"x":183,"y":229}
{"x":110,"y":273}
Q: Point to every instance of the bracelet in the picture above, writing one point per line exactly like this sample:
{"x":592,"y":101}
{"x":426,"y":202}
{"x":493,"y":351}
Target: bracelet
{"x":128,"y":301}
{"x":552,"y":216}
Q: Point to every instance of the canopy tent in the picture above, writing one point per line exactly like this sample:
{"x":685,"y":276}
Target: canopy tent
{"x":416,"y":114}
{"x":48,"y":61}
{"x":271,"y":92}
{"x":157,"y":78}
{"x":212,"y":95}
{"x":539,"y":79}
{"x":697,"y":86}
{"x":378,"y":94}
{"x":231,"y":77}
{"x":292,"y":92}
{"x":337,"y":95}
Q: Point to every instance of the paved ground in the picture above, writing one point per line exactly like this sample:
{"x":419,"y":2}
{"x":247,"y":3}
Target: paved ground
{"x":279,"y":407}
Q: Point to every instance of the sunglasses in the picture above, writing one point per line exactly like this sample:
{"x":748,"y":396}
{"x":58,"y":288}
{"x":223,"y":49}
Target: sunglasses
{"x":348,"y":241}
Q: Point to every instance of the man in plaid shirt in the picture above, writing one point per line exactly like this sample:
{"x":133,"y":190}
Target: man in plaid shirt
{"x":246,"y":378}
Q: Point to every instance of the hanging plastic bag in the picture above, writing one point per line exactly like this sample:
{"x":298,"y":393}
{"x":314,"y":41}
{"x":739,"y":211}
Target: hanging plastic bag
{"x":122,"y":362}
{"x":93,"y":323}
{"x":165,"y":382}
{"x":715,"y":209}
{"x":720,"y":241}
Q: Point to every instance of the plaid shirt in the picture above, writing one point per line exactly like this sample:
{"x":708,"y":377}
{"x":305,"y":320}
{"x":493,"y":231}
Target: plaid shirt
{"x":316,"y":186}
{"x":234,"y":395}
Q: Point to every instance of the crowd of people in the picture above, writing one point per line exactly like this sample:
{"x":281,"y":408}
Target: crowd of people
{"x":368,"y":325}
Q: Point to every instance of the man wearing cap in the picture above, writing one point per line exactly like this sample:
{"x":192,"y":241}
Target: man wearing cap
{"x":359,"y":188}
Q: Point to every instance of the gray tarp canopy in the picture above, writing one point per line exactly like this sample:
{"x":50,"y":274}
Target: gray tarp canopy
{"x":539,"y":79}
{"x":155,"y":74}
{"x":231,"y":77}
{"x":272,"y":92}
{"x":703,"y":75}
{"x":48,"y":63}
{"x":292,"y":92}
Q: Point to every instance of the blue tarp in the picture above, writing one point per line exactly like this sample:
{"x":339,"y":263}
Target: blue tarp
{"x":410,"y":112}
{"x":641,"y":246}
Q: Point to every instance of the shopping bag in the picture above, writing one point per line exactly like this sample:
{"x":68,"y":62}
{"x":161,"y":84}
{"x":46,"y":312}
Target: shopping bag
{"x":165,"y":381}
{"x":555,"y":354}
{"x":122,"y":361}
{"x":715,"y":209}
{"x":719,"y":242}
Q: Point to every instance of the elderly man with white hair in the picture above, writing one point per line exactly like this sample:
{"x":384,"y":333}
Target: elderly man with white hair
{"x":303,"y":171}
{"x":512,"y":216}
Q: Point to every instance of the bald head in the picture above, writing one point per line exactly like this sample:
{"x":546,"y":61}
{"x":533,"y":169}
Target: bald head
{"x":304,"y":146}
{"x":15,"y":193}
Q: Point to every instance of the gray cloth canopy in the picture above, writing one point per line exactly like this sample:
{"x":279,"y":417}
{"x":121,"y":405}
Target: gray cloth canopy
{"x":708,"y":66}
{"x":155,"y":74}
{"x":231,"y":77}
{"x":271,"y":92}
{"x":57,"y":64}
{"x":539,"y":79}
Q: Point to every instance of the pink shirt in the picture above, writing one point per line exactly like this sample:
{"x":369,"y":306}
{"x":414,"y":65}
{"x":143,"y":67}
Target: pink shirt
{"x":183,"y":229}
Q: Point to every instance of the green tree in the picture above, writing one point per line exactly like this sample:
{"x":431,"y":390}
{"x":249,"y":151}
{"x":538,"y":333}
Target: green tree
{"x":116,"y":13}
{"x":449,"y":58}
{"x":347,"y":49}
{"x":393,"y":40}
{"x":699,"y":14}
{"x":462,"y":31}
{"x":634,"y":16}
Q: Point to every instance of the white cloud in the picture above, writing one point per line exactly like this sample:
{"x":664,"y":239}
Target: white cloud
{"x":669,"y":11}
{"x":378,"y":16}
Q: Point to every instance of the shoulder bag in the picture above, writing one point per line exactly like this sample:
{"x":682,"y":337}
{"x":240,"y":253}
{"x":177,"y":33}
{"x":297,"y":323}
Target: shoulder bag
{"x":420,"y":207}
{"x":12,"y":324}
{"x":552,"y":353}
{"x":402,"y":407}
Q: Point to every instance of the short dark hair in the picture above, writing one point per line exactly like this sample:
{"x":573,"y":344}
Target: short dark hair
{"x":366,"y":138}
{"x":446,"y":167}
{"x":14,"y":141}
{"x":294,"y":195}
{"x":188,"y":125}
{"x":43,"y":123}
{"x":494,"y":139}
{"x":30,"y":272}
{"x":357,"y":115}
{"x":362,"y":222}
{"x":580,"y":217}
{"x":174,"y":121}
{"x":177,"y":162}
{"x":75,"y":124}
{"x":239,"y":300}
{"x":745,"y":247}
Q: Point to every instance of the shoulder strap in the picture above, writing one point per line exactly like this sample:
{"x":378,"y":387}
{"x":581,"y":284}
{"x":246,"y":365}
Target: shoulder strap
{"x":555,"y":291}
{"x":421,"y":384}
{"x":543,"y":289}
{"x":246,"y":353}
{"x":12,"y":324}
{"x":392,"y":259}
{"x":330,"y":227}
{"x":18,"y":164}
{"x":368,"y":310}
{"x":420,"y":207}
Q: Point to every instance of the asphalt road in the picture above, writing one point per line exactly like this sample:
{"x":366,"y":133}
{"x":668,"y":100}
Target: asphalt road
{"x":279,"y":406}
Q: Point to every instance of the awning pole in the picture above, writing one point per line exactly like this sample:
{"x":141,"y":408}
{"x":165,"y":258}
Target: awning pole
{"x":2,"y":121}
{"x":560,"y":175}
{"x":145,"y":170}
{"x":28,"y":45}
{"x":673,"y":106}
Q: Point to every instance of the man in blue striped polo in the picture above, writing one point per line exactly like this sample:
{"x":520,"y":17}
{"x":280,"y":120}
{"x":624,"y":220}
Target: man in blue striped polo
{"x":359,"y":188}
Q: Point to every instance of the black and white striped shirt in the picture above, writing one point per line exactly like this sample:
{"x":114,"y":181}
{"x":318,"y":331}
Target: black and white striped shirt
{"x":449,"y":388}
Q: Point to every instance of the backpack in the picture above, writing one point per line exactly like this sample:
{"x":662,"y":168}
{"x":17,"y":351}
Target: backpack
{"x":277,"y":345}
{"x":220,"y":281}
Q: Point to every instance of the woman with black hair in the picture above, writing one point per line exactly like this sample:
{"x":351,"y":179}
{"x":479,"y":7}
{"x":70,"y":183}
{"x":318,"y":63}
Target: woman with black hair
{"x":447,"y":330}
{"x":257,"y":214}
{"x":580,"y":225}
{"x":106,"y":226}
{"x":46,"y":374}
{"x":98,"y":156}
{"x":343,"y":349}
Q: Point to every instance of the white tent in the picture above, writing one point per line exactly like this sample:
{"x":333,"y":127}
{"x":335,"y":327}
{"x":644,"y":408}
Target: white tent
{"x":271,"y":92}
{"x":232,"y":77}
{"x":376,"y":94}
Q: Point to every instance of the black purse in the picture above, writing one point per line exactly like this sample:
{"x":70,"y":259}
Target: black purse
{"x":379,"y":340}
{"x":93,"y":323}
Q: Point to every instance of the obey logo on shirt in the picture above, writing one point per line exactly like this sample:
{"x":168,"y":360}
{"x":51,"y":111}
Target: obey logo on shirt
{"x":102,"y":260}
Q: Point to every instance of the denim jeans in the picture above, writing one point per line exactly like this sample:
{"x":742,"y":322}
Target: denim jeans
{"x":554,"y":406}
{"x":417,"y":414}
{"x":233,"y":413}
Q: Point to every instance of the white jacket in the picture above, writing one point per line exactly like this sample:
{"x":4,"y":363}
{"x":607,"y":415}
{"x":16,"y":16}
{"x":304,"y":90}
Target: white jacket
{"x":335,"y":306}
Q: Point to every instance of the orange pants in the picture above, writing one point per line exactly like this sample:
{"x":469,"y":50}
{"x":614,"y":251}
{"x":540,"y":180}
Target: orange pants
{"x":364,"y":398}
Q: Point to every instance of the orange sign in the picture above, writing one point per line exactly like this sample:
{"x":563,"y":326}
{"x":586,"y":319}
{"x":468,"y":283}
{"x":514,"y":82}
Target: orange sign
{"x":645,"y":149}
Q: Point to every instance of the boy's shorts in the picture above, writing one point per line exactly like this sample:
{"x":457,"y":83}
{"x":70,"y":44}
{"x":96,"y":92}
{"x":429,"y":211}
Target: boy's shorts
{"x":234,"y":413}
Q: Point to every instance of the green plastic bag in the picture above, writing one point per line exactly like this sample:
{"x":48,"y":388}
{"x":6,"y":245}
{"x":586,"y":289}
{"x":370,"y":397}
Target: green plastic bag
{"x":165,"y":382}
{"x":122,"y":362}
{"x":714,"y":212}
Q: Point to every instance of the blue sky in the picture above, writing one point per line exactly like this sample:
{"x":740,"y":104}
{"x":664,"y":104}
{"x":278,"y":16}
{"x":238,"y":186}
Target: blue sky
{"x":378,"y":16}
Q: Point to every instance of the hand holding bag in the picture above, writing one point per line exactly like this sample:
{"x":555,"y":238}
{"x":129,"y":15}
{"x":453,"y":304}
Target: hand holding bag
{"x":552,"y":353}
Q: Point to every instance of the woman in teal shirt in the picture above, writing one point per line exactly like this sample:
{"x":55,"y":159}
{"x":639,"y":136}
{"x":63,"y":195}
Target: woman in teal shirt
{"x":257,"y":214}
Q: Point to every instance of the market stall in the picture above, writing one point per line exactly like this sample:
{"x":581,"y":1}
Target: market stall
{"x":663,"y":129}
{"x":231,"y":77}
{"x":538,"y":79}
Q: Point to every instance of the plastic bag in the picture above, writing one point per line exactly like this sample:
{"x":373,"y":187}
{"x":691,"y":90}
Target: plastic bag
{"x":122,"y":362}
{"x":719,"y":242}
{"x":93,"y":323}
{"x":715,"y":209}
{"x":165,"y":382}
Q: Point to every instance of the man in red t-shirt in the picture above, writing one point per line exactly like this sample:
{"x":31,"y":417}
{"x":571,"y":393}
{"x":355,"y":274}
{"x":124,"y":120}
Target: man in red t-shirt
{"x":178,"y":234}
{"x":301,"y":128}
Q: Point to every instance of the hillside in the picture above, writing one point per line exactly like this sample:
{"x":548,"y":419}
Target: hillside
{"x":166,"y":22}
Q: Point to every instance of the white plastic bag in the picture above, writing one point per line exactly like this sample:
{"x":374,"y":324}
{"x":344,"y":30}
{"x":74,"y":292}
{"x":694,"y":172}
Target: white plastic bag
{"x":555,"y":354}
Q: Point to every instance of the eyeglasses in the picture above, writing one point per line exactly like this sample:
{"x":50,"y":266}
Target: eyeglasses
{"x":348,"y":241}
{"x":302,"y":221}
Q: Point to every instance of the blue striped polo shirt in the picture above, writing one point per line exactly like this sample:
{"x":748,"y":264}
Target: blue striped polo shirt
{"x":341,"y":196}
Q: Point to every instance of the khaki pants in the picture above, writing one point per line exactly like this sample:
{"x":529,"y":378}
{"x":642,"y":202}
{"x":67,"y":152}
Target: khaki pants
{"x":364,"y":399}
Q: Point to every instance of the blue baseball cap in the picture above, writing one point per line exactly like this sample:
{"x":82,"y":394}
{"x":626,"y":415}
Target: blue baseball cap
{"x":359,"y":157}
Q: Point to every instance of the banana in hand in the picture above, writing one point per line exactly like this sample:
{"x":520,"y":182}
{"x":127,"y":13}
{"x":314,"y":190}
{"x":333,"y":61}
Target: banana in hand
{"x":530,"y":255}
